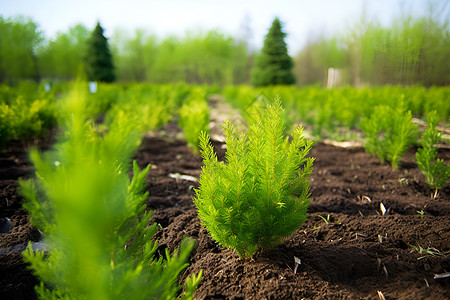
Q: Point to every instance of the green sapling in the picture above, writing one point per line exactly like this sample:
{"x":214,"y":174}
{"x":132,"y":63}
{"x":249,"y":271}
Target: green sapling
{"x":388,"y":133}
{"x":261,"y":193}
{"x":436,"y":172}
{"x":99,"y":241}
{"x":194,"y":117}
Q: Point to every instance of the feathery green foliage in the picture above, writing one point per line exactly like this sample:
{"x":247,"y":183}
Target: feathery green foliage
{"x":99,"y":62}
{"x":194,"y":117}
{"x":389,"y":132}
{"x":261,"y":194}
{"x":25,"y":112}
{"x":273,"y":65}
{"x":96,"y":230}
{"x":334,"y":113}
{"x":436,"y":172}
{"x":22,"y":119}
{"x":150,"y":105}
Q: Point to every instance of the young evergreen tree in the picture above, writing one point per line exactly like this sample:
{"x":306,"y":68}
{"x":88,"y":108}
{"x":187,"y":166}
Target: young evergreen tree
{"x":260,"y":194}
{"x":273,"y":65}
{"x":99,"y":63}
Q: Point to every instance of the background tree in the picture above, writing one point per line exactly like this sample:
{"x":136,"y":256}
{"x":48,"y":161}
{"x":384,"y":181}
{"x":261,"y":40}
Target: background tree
{"x":135,"y":56}
{"x":312,"y":62}
{"x":199,"y":57}
{"x":19,"y":38}
{"x":60,"y":58}
{"x":99,"y":63}
{"x":273,"y":66}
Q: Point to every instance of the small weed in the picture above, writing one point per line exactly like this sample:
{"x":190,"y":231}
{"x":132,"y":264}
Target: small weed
{"x":420,"y":212}
{"x":403,"y":181}
{"x":428,"y":252}
{"x":327,"y":219}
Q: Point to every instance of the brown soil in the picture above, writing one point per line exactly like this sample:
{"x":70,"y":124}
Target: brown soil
{"x":359,"y":253}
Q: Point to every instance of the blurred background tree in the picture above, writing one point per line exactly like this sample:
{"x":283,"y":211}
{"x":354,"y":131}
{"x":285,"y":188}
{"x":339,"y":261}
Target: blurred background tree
{"x":135,"y":56}
{"x":62,"y":57}
{"x":411,"y":51}
{"x":197,"y":58}
{"x":99,"y":64}
{"x":273,"y":65}
{"x":312,"y":63}
{"x":19,"y":38}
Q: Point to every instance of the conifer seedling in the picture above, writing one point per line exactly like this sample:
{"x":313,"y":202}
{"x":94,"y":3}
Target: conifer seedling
{"x":98,"y":237}
{"x":436,"y":172}
{"x":194,"y":117}
{"x":388,"y":133}
{"x":260,"y":194}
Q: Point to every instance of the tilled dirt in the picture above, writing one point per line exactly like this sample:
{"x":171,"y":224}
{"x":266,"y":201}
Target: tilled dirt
{"x":352,"y":252}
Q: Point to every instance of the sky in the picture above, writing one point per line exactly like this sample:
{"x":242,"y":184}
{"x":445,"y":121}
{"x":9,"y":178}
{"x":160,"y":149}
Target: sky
{"x":302,"y":19}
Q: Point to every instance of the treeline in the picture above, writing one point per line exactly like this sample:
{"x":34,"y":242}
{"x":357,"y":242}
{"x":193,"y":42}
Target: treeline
{"x":411,"y":51}
{"x":198,"y":58}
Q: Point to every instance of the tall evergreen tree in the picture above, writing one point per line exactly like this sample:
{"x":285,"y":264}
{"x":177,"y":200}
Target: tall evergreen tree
{"x":273,"y":65}
{"x":99,"y":64}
